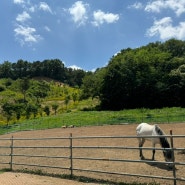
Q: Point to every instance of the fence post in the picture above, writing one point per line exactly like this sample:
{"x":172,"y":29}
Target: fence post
{"x":173,"y":157}
{"x":71,"y":154}
{"x":11,"y":154}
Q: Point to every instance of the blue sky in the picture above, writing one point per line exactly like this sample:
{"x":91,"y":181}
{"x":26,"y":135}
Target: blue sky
{"x":85,"y":34}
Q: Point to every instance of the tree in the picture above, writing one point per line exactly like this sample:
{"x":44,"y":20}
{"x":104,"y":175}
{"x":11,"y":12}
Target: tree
{"x":175,"y":47}
{"x":24,"y":86}
{"x":6,"y":70}
{"x":39,"y":90}
{"x":88,"y":86}
{"x":92,"y":83}
{"x":36,"y":69}
{"x":18,"y":109}
{"x":145,"y":77}
{"x":67,"y":99}
{"x":35,"y":109}
{"x":8,"y":111}
{"x":8,"y":82}
{"x":74,"y":77}
{"x":21,"y":69}
{"x":55,"y":107}
{"x":28,"y":111}
{"x":54,"y":69}
{"x":75,"y":96}
{"x":119,"y":82}
{"x":176,"y":86}
{"x":47,"y":110}
{"x":31,"y":109}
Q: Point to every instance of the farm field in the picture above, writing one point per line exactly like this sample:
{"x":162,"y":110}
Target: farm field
{"x":107,"y":130}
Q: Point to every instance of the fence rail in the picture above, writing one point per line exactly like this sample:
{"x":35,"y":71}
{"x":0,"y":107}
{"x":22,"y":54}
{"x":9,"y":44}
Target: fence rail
{"x":13,"y":153}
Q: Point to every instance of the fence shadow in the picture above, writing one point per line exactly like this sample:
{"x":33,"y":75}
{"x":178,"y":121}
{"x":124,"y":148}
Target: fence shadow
{"x":158,"y":165}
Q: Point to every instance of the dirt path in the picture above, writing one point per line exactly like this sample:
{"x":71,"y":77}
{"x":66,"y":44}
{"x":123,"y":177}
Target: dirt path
{"x":9,"y":178}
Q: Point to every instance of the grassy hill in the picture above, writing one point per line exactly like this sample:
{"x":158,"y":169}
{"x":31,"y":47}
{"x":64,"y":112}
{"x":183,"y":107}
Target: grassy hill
{"x":71,"y":111}
{"x":42,"y":92}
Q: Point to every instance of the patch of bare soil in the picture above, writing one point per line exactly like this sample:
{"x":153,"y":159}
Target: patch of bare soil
{"x":147,"y":168}
{"x":11,"y":178}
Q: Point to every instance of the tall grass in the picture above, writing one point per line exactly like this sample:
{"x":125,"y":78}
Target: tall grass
{"x":91,"y":118}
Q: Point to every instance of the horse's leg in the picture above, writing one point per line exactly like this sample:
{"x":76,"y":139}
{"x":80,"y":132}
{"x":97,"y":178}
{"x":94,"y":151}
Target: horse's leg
{"x":141,"y":142}
{"x":153,"y":156}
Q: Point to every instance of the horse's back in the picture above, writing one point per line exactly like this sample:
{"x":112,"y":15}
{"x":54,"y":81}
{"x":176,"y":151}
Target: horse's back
{"x":144,"y":129}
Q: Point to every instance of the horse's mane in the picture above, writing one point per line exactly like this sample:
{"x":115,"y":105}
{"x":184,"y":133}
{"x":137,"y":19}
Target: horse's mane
{"x":163,"y":140}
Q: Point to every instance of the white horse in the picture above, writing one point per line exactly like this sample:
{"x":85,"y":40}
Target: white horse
{"x":145,"y":130}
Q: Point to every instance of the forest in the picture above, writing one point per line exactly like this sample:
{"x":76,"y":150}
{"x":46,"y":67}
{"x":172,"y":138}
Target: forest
{"x":151,"y":76}
{"x":54,"y":69}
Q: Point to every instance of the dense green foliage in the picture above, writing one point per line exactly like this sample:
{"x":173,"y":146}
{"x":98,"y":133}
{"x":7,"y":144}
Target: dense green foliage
{"x":53,"y":69}
{"x":151,"y":76}
{"x":29,"y":98}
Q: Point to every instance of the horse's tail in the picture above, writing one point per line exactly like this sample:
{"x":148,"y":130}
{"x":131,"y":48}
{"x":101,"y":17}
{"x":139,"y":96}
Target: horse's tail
{"x":137,"y":129}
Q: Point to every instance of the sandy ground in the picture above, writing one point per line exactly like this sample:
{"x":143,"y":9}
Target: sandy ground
{"x":11,"y":178}
{"x":147,"y":168}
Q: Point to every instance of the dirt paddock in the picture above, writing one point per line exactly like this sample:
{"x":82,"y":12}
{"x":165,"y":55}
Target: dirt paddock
{"x":12,"y":178}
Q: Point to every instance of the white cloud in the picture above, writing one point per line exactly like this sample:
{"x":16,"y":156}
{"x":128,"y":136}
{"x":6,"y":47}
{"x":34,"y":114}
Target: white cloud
{"x":74,"y":67}
{"x":47,"y":28}
{"x":100,"y":17}
{"x":166,"y":30}
{"x":155,"y":6}
{"x":79,"y":12}
{"x":45,"y":7}
{"x":178,"y":6}
{"x":23,"y":17}
{"x":26,"y":34}
{"x":137,"y":5}
{"x":18,"y":1}
{"x":32,"y":9}
{"x":117,"y":53}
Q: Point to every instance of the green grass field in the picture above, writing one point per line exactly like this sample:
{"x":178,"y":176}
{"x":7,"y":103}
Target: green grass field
{"x":90,"y":118}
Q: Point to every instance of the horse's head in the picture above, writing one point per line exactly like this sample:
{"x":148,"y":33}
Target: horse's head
{"x":168,"y":155}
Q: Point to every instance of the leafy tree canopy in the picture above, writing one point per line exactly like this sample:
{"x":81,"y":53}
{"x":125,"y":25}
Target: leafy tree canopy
{"x":53,"y":69}
{"x":150,"y":76}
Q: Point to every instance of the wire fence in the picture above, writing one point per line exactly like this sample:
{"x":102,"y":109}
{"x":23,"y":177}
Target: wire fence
{"x":70,"y":155}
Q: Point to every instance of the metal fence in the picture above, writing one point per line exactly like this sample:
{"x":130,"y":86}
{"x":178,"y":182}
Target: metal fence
{"x":45,"y":153}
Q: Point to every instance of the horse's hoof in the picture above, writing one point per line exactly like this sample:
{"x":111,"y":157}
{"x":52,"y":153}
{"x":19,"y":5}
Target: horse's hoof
{"x":170,"y":166}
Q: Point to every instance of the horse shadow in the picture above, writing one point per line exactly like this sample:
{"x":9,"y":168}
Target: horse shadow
{"x":158,"y":165}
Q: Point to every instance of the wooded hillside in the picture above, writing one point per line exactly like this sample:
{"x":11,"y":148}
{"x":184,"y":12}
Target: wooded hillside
{"x":152,"y":76}
{"x":53,"y":69}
